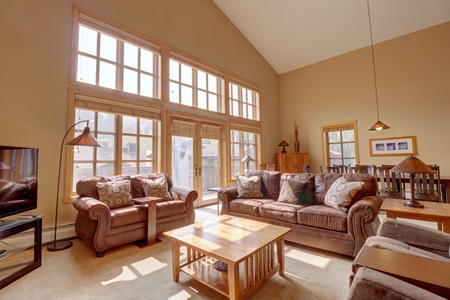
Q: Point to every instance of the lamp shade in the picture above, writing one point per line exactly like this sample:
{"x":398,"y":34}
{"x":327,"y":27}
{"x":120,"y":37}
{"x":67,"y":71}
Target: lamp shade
{"x":283,"y":143}
{"x":85,"y":139}
{"x":4,"y":166}
{"x":379,"y":126}
{"x":411,"y":164}
{"x":247,"y":158}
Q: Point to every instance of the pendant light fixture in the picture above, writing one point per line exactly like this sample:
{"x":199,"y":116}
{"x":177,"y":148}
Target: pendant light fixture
{"x":378,"y":124}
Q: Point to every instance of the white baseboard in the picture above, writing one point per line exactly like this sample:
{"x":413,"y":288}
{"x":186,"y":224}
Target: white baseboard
{"x":24,"y":238}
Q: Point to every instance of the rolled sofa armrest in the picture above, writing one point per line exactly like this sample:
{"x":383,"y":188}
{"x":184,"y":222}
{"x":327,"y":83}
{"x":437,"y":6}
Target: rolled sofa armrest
{"x":416,"y":235}
{"x":226,"y":195}
{"x":186,"y":195}
{"x":362,"y":220}
{"x":92,"y":208}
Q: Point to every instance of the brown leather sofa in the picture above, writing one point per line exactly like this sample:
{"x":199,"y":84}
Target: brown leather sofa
{"x":101,"y":227}
{"x":314,"y":224}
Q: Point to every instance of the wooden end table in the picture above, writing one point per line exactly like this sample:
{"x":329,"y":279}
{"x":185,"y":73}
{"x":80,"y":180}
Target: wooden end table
{"x":247,"y":246}
{"x":430,"y":274}
{"x":151,"y":219}
{"x":432,"y":212}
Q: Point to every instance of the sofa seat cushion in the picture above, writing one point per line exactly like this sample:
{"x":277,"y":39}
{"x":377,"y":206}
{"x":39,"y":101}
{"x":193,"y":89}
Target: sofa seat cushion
{"x":169,"y":208}
{"x":126,"y":215}
{"x":285,"y":212}
{"x":323,"y":216}
{"x":398,"y":246}
{"x":248,"y":206}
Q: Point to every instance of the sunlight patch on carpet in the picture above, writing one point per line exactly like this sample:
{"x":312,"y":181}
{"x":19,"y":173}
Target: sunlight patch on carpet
{"x":149,"y":265}
{"x":137,"y":269}
{"x":126,"y":275}
{"x":181,"y":295}
{"x":315,"y":260}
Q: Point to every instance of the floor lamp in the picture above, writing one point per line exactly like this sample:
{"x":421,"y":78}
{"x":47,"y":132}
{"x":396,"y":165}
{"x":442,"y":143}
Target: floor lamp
{"x":412,"y":165}
{"x":84,"y":139}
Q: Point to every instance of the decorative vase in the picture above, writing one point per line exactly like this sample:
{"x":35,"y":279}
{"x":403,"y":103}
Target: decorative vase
{"x":297,"y":146}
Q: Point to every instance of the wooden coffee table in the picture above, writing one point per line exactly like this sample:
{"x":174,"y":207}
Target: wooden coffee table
{"x":430,"y":274}
{"x":247,"y":246}
{"x":432,"y":212}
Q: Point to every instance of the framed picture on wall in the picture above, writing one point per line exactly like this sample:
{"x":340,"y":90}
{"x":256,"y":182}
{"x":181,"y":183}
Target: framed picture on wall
{"x":394,"y":146}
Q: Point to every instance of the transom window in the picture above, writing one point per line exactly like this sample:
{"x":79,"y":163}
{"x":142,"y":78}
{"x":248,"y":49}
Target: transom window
{"x":109,"y":61}
{"x":192,"y":86}
{"x":340,"y":144}
{"x":244,"y":102}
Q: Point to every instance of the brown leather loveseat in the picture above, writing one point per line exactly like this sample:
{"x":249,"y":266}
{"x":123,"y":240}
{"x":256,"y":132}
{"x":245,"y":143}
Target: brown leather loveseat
{"x":343,"y":230}
{"x":102,"y":227}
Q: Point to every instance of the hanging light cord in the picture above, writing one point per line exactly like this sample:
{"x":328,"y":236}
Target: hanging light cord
{"x":373,"y":59}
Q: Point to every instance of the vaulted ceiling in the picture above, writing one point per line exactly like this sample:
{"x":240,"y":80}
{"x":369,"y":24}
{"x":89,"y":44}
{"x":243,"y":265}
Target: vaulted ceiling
{"x":291,"y":34}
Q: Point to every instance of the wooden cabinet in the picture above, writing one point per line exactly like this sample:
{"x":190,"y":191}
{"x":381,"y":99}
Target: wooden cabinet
{"x":290,"y":162}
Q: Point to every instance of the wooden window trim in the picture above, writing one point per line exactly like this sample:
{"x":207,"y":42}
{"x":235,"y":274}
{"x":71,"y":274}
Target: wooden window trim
{"x":335,"y":127}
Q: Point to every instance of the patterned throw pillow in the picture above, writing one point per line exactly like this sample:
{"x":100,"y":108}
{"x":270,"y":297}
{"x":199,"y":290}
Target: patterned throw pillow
{"x":249,"y":187}
{"x":292,"y":191}
{"x":156,"y":188}
{"x":115,"y":193}
{"x":341,"y":192}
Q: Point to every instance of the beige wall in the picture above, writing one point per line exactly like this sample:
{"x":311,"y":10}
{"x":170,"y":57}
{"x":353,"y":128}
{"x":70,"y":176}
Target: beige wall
{"x":413,"y":74}
{"x":35,"y":54}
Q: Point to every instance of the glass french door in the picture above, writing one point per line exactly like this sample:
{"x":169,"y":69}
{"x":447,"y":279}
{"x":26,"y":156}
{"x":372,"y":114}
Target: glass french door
{"x":196,"y":158}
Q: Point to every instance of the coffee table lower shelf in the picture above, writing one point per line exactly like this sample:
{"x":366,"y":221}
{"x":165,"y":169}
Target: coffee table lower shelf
{"x":250,"y":278}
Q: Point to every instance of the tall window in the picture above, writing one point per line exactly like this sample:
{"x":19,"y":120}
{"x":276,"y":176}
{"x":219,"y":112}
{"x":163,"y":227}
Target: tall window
{"x":108,"y":59}
{"x":340,"y":144}
{"x":125,"y":83}
{"x":129,"y":145}
{"x":194,"y":86}
{"x":244,"y":102}
{"x":242,"y":143}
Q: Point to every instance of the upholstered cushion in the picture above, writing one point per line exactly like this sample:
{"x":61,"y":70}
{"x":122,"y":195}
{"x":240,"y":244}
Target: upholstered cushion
{"x":292,"y":191}
{"x":285,"y":212}
{"x":308,"y":178}
{"x":156,"y":188}
{"x":270,"y":182}
{"x":341,"y":192}
{"x":323,"y":216}
{"x":115,"y":193}
{"x":248,"y":206}
{"x":249,"y":187}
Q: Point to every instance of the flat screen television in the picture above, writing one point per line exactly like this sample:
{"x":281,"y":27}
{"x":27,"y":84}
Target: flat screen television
{"x":18,"y":179}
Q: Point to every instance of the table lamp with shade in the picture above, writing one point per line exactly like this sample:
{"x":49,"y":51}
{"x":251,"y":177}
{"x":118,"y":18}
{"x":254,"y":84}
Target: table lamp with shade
{"x":247,"y":159}
{"x":84,"y":139}
{"x":283,"y":144}
{"x":3,"y":166}
{"x":412,"y":165}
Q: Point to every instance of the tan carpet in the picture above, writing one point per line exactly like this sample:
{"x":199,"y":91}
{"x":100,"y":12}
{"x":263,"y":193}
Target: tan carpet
{"x":128,"y":272}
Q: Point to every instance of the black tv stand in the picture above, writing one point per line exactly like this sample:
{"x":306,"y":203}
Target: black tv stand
{"x":14,"y":227}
